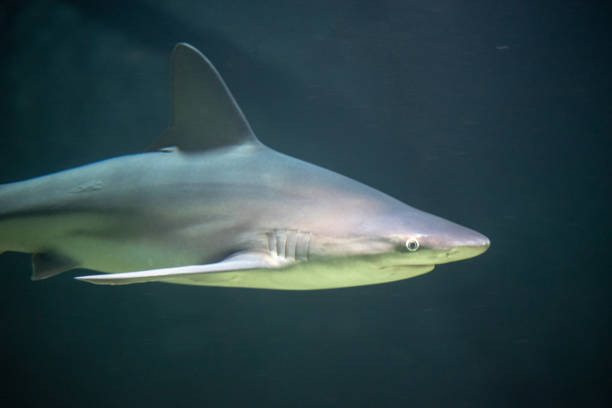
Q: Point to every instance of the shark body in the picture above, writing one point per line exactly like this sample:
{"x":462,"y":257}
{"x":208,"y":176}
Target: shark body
{"x":209,"y":204}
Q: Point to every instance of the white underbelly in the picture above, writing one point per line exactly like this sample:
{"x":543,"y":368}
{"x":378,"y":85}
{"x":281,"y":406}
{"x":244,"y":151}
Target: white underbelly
{"x":306,"y":276}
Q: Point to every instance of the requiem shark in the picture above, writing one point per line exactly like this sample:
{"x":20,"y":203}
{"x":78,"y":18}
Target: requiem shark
{"x":209,"y":204}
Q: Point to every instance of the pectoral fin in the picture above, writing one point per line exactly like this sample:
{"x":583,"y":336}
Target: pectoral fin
{"x":235,"y":263}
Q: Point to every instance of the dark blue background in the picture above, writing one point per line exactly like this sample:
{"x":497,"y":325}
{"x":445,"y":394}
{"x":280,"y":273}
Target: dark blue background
{"x":496,"y":115}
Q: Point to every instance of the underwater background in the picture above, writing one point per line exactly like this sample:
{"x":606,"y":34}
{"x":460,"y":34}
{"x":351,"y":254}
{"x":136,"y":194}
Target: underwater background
{"x":495,"y":115}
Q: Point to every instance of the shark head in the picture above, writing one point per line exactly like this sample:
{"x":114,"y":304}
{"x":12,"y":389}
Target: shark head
{"x":369,"y":247}
{"x":425,"y":239}
{"x":373,"y":228}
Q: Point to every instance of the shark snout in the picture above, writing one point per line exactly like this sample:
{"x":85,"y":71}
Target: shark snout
{"x":466,"y":245}
{"x":477,"y":240}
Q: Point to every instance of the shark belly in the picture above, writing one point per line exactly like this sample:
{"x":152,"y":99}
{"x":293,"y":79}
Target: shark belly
{"x":307,"y":276}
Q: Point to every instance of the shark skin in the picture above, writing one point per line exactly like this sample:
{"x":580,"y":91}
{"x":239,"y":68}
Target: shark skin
{"x":209,"y":204}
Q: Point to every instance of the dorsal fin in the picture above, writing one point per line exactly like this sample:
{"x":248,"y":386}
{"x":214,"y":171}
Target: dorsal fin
{"x":204,"y":112}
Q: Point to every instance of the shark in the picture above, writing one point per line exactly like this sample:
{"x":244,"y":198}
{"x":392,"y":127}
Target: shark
{"x":209,"y":204}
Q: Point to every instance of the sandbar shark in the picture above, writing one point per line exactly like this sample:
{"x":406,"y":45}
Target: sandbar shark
{"x":209,"y":204}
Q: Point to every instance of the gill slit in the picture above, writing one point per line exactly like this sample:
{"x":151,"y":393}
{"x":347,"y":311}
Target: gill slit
{"x":289,"y":244}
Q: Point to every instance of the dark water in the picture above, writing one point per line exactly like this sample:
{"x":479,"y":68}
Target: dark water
{"x":496,"y":115}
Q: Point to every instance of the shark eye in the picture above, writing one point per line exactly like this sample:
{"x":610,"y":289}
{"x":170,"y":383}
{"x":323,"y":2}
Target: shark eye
{"x":412,"y":244}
